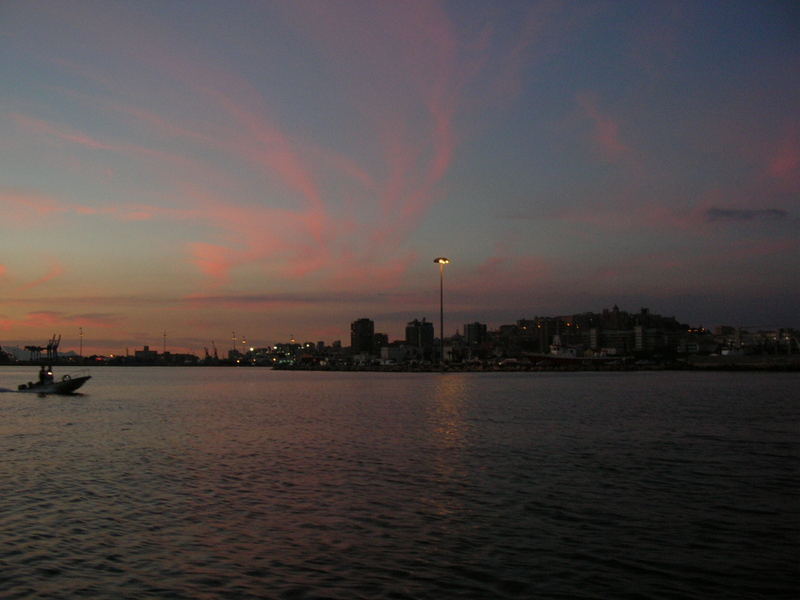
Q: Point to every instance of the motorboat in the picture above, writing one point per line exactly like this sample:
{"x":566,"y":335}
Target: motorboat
{"x":66,"y":385}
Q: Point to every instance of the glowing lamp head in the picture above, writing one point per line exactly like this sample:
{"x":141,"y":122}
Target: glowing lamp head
{"x":442,"y":260}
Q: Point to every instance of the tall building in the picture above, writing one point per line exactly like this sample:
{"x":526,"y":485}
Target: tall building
{"x":362,"y":336}
{"x":474,"y":333}
{"x":419,"y":335}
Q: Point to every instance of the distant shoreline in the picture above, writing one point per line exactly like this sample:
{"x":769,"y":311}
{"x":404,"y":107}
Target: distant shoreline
{"x":692,"y":364}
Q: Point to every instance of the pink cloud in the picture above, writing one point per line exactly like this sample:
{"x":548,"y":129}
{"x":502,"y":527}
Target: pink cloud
{"x":317,"y":242}
{"x":414,"y":113}
{"x":54,"y":319}
{"x":606,"y":133}
{"x":266,"y":146}
{"x":379,"y":274}
{"x":124,"y":213}
{"x":247,"y":131}
{"x":255,"y":139}
{"x":55,"y":271}
{"x":413,"y":116}
{"x":69,"y":135}
{"x":20,"y":206}
{"x":288,"y":240}
{"x":25,"y":207}
{"x":784,"y":161}
{"x":212,"y":260}
{"x":419,"y":47}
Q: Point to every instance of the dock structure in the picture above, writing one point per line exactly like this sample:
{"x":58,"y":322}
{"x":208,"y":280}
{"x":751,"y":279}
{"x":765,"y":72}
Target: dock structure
{"x":35,"y":352}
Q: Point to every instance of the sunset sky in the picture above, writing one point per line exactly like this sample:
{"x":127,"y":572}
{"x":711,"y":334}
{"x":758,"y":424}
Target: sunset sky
{"x":281,"y":169}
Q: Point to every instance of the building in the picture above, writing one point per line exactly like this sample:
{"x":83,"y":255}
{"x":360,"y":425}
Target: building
{"x":419,"y":335}
{"x":474,"y":333}
{"x":145,"y":355}
{"x":362,"y":337}
{"x":397,"y":353}
{"x":381,"y":340}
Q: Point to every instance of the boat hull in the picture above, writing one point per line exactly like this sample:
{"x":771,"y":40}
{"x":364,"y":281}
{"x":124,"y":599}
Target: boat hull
{"x":66,"y":385}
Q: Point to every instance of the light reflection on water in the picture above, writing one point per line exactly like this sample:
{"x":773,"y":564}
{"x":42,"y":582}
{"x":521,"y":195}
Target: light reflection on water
{"x":248,"y":483}
{"x":448,"y":437}
{"x":450,"y":394}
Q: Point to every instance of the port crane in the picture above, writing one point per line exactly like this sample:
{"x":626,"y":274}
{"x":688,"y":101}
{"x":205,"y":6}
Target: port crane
{"x":52,"y":348}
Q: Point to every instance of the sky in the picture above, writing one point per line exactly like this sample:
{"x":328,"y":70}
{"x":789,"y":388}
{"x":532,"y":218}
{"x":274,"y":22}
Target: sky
{"x":280,"y":169}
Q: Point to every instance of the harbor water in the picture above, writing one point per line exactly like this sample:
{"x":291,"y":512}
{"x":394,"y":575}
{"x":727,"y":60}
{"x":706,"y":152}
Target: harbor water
{"x":251,"y":483}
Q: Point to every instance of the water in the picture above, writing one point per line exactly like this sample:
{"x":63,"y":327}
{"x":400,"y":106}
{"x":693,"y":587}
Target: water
{"x":249,"y":483}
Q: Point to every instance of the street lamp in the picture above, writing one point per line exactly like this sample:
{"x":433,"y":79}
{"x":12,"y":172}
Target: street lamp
{"x":441,"y":261}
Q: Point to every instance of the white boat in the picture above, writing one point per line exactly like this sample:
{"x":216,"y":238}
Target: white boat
{"x":66,"y":385}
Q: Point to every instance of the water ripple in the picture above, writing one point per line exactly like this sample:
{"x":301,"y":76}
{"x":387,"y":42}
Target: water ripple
{"x":253,"y":484}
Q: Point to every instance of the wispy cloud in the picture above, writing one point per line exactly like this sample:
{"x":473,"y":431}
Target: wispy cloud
{"x":411,"y":115}
{"x":413,"y":119}
{"x":55,"y":271}
{"x":71,"y":135}
{"x":27,"y":207}
{"x":67,"y":134}
{"x":606,"y":129}
{"x":311,"y":232}
{"x":56,"y":319}
{"x":20,"y":206}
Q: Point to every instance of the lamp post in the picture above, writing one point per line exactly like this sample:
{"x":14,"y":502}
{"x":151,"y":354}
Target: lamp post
{"x":441,"y":261}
